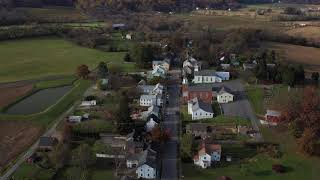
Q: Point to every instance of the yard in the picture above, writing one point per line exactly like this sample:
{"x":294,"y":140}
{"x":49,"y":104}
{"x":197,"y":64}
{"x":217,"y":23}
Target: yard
{"x":259,"y":166}
{"x":43,"y":57}
{"x":256,"y":98}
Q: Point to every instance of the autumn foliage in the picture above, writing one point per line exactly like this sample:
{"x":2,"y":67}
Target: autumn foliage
{"x":83,"y":71}
{"x":303,"y":119}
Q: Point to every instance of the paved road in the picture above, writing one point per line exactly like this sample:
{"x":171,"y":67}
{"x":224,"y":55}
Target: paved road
{"x":241,"y":107}
{"x":169,"y":150}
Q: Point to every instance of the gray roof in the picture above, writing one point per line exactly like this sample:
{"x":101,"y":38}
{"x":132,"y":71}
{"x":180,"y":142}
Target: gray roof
{"x":147,"y":156}
{"x":205,"y":73}
{"x":224,"y":90}
{"x":200,"y":87}
{"x":198,"y":104}
{"x":273,"y":113}
{"x":47,"y":141}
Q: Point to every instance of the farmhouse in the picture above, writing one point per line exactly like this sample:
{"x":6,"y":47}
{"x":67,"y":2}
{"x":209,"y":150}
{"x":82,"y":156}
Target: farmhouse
{"x":147,"y":168}
{"x":224,"y":96}
{"x":199,"y":109}
{"x":202,"y":92}
{"x":208,"y":154}
{"x":272,"y":117}
{"x":150,"y":100}
{"x":209,"y":76}
{"x":75,"y":119}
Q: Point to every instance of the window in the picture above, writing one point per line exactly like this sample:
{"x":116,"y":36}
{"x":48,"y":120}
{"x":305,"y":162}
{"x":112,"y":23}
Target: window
{"x":148,"y":175}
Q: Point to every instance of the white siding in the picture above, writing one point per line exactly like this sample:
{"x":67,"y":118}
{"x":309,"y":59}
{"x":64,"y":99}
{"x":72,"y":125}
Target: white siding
{"x":201,"y":114}
{"x":146,"y":172}
{"x":225,"y":98}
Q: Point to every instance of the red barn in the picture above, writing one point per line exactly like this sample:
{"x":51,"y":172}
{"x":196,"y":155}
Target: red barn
{"x":272,"y":117}
{"x":201,"y":92}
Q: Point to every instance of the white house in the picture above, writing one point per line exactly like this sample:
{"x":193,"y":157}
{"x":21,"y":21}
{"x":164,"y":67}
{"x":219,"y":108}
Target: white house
{"x":147,"y":168}
{"x":88,"y":103}
{"x":151,"y":89}
{"x":159,"y":71}
{"x":207,"y":155}
{"x":164,"y":64}
{"x":75,"y":119}
{"x":199,"y":109}
{"x":190,"y":65}
{"x":152,"y":122}
{"x":129,"y":36}
{"x":210,"y":76}
{"x":223,"y":96}
{"x":150,"y":100}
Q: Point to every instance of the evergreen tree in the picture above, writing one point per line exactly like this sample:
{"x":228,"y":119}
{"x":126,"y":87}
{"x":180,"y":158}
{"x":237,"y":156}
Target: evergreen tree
{"x":102,"y":70}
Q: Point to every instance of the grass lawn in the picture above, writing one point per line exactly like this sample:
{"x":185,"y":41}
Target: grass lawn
{"x":68,"y":80}
{"x":218,"y":120}
{"x":28,"y":171}
{"x":103,"y":174}
{"x":256,"y":98}
{"x":259,"y":166}
{"x":42,"y":57}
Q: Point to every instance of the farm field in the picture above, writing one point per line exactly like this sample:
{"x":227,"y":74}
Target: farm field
{"x":308,"y":56}
{"x":10,"y":94}
{"x":15,"y":136}
{"x":309,"y":32}
{"x":55,"y":13}
{"x":42,"y":57}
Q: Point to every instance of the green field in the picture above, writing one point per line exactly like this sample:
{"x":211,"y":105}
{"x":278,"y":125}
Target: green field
{"x":42,"y":57}
{"x":259,"y":166}
{"x":255,"y":96}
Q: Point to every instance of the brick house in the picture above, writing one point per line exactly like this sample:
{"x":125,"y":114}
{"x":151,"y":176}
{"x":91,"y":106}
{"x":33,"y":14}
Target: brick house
{"x":202,"y":92}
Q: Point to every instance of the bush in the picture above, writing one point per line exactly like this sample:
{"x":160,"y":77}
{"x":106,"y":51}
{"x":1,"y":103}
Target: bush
{"x":278,"y":168}
{"x":90,"y":98}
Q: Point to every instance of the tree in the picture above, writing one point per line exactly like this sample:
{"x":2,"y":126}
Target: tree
{"x":127,"y":58}
{"x":315,"y":76}
{"x":102,"y":70}
{"x":289,"y":77}
{"x":59,"y":155}
{"x":125,"y":123}
{"x":85,"y":156}
{"x":142,"y":54}
{"x":307,"y":143}
{"x":82,"y":71}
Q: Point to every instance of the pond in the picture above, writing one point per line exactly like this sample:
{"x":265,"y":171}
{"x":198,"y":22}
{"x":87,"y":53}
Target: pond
{"x":38,"y":101}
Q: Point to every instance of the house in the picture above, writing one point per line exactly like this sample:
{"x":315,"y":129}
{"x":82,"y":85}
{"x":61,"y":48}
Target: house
{"x":190,"y":65}
{"x":128,"y":36}
{"x":202,"y":92}
{"x":247,"y":66}
{"x":164,"y":64}
{"x":159,"y":71}
{"x":152,"y":122}
{"x":199,"y":109}
{"x":75,"y":119}
{"x":152,"y":110}
{"x":210,"y":76}
{"x":224,"y":96}
{"x":88,"y":103}
{"x":147,"y":165}
{"x":150,"y":100}
{"x":118,"y":26}
{"x":116,"y":141}
{"x":47,"y":143}
{"x":225,"y":66}
{"x":151,"y":89}
{"x":208,"y":154}
{"x":203,"y":130}
{"x":272,"y":117}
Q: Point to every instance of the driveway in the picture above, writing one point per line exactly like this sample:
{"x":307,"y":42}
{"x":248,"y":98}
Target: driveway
{"x":241,"y":107}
